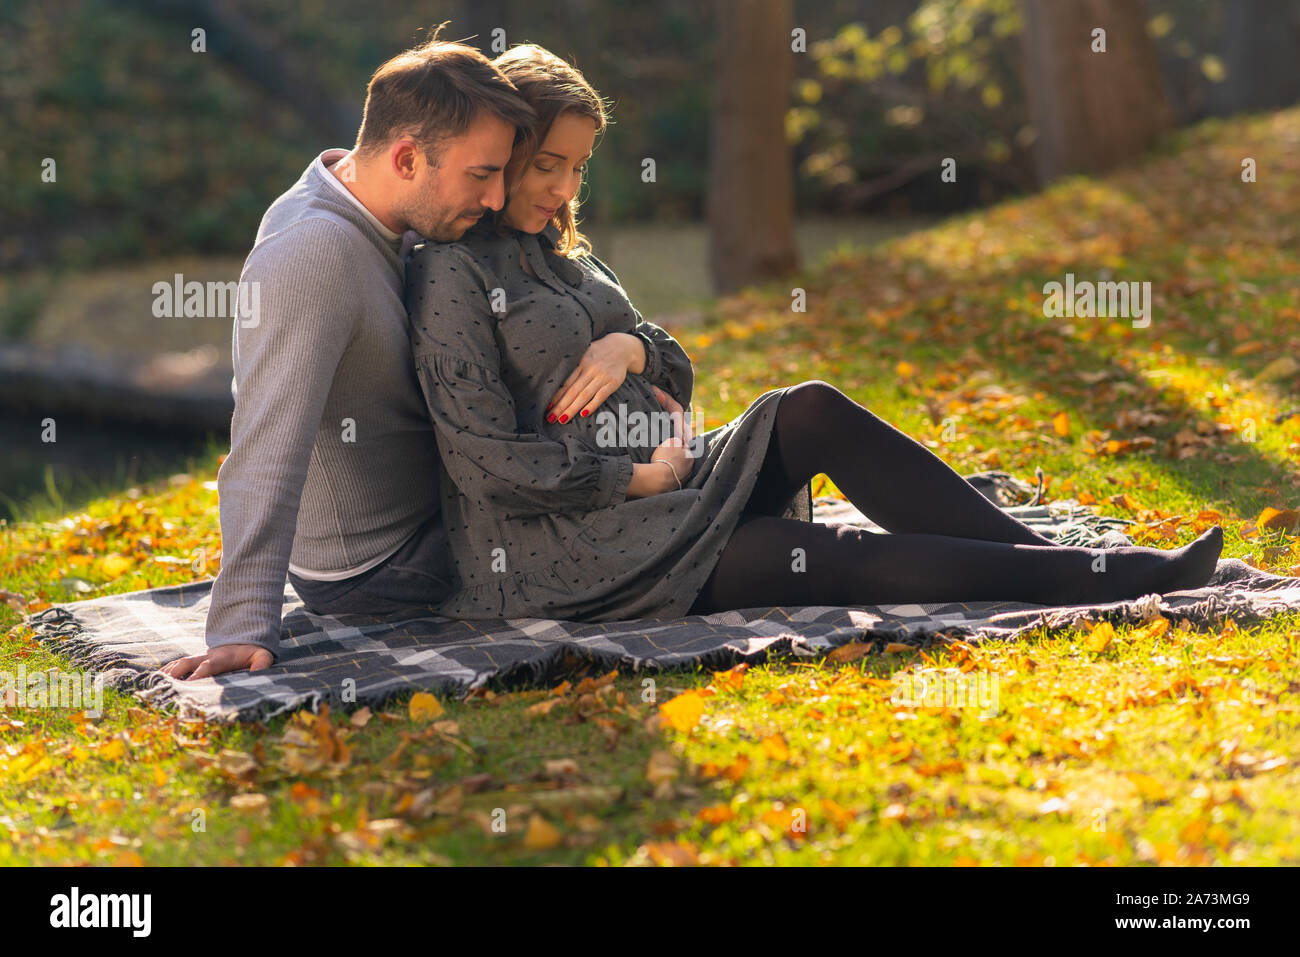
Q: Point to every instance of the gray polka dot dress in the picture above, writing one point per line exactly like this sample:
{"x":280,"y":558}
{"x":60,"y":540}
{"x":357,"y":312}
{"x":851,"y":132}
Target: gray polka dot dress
{"x":536,"y":513}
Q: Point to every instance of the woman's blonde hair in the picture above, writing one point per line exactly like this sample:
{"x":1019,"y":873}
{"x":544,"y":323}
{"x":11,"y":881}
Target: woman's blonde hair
{"x":551,"y":87}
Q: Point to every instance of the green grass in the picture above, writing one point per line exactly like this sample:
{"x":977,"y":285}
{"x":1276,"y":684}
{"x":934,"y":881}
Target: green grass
{"x":1155,"y":745}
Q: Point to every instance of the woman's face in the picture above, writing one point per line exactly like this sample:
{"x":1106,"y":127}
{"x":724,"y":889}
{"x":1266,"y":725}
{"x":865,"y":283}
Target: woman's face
{"x":553,"y":176}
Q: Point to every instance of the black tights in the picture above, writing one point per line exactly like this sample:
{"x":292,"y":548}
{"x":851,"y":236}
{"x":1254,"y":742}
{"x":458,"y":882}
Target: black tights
{"x":948,"y":542}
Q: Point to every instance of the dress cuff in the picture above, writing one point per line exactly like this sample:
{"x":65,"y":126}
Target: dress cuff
{"x":653,"y":362}
{"x":615,"y":476}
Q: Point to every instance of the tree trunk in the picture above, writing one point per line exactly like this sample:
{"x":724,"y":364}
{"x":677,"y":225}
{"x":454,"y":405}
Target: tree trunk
{"x":1091,"y":111}
{"x":751,"y":179}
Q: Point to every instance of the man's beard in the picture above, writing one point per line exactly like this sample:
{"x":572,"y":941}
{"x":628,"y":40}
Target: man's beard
{"x":433,"y":220}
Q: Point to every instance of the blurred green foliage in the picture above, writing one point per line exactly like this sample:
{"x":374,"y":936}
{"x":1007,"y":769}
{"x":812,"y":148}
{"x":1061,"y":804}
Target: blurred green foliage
{"x":161,"y":150}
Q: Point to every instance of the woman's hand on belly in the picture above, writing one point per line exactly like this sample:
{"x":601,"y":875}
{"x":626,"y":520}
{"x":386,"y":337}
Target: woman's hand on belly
{"x":600,"y":371}
{"x":637,"y":420}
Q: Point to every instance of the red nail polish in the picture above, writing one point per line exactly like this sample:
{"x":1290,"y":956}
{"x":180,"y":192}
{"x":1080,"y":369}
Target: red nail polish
{"x":584,"y":412}
{"x":551,"y":417}
{"x":565,"y":417}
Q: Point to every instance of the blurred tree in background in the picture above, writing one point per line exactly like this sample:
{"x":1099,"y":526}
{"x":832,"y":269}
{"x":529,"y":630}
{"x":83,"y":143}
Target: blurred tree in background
{"x":161,"y":150}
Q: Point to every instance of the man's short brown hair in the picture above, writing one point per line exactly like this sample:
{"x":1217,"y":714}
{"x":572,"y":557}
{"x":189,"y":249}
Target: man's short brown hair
{"x":432,"y":92}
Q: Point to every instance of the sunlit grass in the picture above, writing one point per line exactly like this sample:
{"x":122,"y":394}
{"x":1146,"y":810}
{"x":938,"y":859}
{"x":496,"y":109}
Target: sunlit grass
{"x":1153,"y":744}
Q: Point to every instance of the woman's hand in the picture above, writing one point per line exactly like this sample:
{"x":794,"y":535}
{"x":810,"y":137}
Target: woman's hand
{"x":601,"y":370}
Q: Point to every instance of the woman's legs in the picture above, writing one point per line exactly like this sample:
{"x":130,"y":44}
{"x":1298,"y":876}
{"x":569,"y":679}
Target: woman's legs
{"x":948,"y":541}
{"x":892,"y":479}
{"x":783,"y":561}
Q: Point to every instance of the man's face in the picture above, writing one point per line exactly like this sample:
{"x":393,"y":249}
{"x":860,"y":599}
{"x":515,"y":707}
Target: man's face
{"x":444,"y":201}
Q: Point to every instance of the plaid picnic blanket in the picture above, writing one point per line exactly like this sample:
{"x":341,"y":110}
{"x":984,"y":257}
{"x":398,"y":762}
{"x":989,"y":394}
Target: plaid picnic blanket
{"x":355,"y":660}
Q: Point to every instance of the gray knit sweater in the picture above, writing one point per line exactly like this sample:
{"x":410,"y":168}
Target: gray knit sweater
{"x":332,"y":457}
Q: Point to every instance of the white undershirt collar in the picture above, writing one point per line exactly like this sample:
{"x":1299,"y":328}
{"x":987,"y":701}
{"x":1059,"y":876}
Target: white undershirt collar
{"x":328,"y":159}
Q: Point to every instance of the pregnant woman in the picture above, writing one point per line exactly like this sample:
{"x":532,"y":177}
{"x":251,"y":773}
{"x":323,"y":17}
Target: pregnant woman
{"x":537,"y":372}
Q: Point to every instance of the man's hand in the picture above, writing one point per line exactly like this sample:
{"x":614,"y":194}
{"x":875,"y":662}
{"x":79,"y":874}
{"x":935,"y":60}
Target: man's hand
{"x":675,"y":450}
{"x":677,"y":415}
{"x":218,"y":661}
{"x":601,"y":370}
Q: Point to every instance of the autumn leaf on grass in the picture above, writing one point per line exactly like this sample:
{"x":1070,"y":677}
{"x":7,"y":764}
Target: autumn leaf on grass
{"x":450,"y":801}
{"x":1148,"y":788}
{"x":115,"y":566}
{"x":951,"y":766}
{"x":14,"y":600}
{"x":1061,"y":423}
{"x":541,"y":836}
{"x":113,"y":750}
{"x":731,"y":680}
{"x":250,"y":802}
{"x":850,"y":652}
{"x":677,"y":854}
{"x":684,"y":711}
{"x":1273,"y":519}
{"x":839,"y":816}
{"x":425,"y":707}
{"x":787,"y":823}
{"x":1152,"y":629}
{"x":1282,"y":367}
{"x":661,"y":771}
{"x":238,"y":765}
{"x":1100,"y":637}
{"x":715,"y":814}
{"x":561,"y":767}
{"x":774,"y":747}
{"x":311,"y":742}
{"x":732,"y":772}
{"x":1242,"y":765}
{"x":542,"y":708}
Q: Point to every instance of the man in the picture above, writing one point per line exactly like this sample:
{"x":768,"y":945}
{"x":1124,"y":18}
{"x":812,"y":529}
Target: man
{"x":332,"y":475}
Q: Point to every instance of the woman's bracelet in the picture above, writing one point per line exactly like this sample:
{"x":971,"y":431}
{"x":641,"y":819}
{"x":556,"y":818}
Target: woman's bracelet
{"x":670,"y":468}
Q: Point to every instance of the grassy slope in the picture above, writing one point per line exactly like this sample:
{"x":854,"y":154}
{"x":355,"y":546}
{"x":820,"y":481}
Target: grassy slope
{"x":1160,"y":745}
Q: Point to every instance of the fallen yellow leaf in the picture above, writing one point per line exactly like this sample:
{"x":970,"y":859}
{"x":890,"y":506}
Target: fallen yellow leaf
{"x":1272,"y":518}
{"x":1148,"y":787}
{"x":1100,"y":637}
{"x":774,"y":747}
{"x":541,"y":835}
{"x":115,"y":566}
{"x":425,"y":707}
{"x":684,"y":711}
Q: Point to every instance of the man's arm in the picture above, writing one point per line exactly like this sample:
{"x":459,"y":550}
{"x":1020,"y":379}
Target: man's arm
{"x":285,"y":361}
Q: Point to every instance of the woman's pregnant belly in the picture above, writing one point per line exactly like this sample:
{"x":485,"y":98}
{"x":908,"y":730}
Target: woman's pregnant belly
{"x":620,"y":538}
{"x":629,"y":422}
